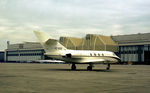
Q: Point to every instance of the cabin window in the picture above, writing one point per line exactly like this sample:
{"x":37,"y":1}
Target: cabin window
{"x":94,"y":54}
{"x":102,"y":54}
{"x":90,"y":54}
{"x":99,"y":54}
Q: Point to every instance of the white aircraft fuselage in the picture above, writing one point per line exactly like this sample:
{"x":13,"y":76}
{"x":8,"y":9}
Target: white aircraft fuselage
{"x":85,"y":56}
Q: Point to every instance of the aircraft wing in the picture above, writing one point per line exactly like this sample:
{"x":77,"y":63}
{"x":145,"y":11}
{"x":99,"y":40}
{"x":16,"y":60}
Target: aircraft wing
{"x":49,"y":61}
{"x":94,"y":61}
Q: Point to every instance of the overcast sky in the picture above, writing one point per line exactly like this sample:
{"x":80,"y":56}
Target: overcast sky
{"x":18,"y":18}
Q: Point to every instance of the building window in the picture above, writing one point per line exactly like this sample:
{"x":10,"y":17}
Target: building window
{"x":61,"y":39}
{"x":88,"y":37}
{"x":21,"y":46}
{"x":146,"y":47}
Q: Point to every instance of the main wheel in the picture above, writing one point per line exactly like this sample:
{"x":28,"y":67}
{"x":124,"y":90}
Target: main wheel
{"x":108,"y":67}
{"x":89,"y":68}
{"x":73,"y":67}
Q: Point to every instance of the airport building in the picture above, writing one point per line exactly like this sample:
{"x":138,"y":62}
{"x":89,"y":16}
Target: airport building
{"x":130,"y":48}
{"x":24,"y":52}
{"x":134,"y":47}
{"x":1,"y":56}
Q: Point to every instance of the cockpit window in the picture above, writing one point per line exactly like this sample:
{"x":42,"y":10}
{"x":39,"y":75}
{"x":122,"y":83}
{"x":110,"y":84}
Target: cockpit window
{"x":114,"y":54}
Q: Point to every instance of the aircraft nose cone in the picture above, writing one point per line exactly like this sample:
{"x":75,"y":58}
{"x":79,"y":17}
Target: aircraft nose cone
{"x":118,"y":59}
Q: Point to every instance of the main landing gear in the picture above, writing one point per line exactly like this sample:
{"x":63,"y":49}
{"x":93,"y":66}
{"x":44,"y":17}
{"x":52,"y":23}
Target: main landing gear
{"x":90,"y":67}
{"x":108,"y":66}
{"x":73,"y":67}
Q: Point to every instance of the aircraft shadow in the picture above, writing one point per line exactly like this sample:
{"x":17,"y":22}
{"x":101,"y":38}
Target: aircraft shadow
{"x":94,"y":70}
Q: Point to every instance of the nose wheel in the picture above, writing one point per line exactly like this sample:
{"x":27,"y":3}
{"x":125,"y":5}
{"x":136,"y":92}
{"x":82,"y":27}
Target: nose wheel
{"x":73,"y":67}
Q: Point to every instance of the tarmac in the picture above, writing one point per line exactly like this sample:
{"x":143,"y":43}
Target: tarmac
{"x":58,"y":78}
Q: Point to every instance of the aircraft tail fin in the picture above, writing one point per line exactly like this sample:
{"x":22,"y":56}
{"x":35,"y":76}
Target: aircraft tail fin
{"x":49,"y":45}
{"x":42,"y":37}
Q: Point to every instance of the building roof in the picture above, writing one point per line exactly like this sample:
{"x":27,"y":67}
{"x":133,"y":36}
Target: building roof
{"x":107,"y":40}
{"x":133,"y":39}
{"x":25,"y":45}
{"x":74,"y":40}
{"x":1,"y":51}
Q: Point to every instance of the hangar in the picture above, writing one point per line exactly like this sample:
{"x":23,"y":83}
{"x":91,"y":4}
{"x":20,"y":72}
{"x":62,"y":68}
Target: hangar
{"x":130,"y":48}
{"x":90,"y":42}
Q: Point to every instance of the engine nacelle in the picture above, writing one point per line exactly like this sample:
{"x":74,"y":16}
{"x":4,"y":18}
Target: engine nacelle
{"x":68,"y":55}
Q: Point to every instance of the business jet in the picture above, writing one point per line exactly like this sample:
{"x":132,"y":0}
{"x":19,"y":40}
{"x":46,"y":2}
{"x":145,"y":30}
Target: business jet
{"x":57,"y":51}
